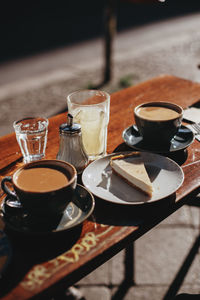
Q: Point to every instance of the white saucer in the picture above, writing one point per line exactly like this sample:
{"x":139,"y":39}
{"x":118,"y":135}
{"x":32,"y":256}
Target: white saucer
{"x":165,"y":175}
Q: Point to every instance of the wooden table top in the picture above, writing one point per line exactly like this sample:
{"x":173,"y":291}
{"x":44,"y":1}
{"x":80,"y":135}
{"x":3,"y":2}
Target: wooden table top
{"x":40,"y":265}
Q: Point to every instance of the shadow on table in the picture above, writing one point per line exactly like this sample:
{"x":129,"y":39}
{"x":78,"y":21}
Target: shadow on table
{"x":29,"y":250}
{"x":178,"y":156}
{"x":132,"y":215}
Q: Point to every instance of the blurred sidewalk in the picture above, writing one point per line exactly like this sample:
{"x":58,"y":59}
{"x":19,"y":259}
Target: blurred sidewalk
{"x":39,"y":85}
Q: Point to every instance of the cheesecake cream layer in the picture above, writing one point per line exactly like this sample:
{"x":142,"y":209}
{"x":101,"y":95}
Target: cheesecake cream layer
{"x":134,"y":172}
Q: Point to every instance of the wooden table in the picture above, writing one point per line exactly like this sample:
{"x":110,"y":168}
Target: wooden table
{"x":40,"y":268}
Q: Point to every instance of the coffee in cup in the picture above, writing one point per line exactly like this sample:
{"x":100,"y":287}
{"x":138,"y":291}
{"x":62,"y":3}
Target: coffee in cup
{"x":158,"y":122}
{"x":43,"y":187}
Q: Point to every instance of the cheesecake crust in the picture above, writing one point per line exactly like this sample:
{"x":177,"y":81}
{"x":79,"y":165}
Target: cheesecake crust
{"x":121,"y":156}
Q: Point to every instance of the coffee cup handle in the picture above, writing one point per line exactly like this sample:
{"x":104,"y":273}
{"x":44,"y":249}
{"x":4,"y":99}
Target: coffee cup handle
{"x":6,"y":189}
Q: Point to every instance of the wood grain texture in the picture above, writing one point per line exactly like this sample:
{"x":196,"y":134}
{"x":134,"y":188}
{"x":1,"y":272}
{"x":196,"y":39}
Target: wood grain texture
{"x":42,"y":265}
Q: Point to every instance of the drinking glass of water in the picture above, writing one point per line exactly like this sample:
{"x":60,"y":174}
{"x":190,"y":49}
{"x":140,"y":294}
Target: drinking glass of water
{"x":91,"y":109}
{"x":31,"y":135}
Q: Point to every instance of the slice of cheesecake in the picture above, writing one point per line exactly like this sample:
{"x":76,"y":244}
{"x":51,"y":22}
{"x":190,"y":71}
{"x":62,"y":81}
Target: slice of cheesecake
{"x":133,"y":171}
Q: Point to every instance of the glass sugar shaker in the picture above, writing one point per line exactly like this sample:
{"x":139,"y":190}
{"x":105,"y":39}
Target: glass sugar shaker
{"x":71,"y":147}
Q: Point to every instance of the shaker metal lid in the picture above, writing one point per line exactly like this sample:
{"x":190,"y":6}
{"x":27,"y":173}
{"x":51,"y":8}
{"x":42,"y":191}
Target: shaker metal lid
{"x":70,"y":127}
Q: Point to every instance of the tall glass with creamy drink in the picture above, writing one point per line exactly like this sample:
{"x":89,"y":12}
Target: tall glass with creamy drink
{"x":91,"y":109}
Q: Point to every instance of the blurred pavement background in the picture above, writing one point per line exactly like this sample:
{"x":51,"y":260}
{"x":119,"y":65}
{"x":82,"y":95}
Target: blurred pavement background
{"x":49,"y":51}
{"x":39,"y":84}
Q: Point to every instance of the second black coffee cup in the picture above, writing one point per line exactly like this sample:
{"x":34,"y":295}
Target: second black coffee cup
{"x":158,"y":122}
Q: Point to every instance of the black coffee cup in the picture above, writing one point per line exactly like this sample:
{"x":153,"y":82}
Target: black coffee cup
{"x":158,"y":122}
{"x":43,"y":187}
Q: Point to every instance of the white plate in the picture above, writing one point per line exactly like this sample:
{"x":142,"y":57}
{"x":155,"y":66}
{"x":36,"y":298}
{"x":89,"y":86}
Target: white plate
{"x":165,"y":175}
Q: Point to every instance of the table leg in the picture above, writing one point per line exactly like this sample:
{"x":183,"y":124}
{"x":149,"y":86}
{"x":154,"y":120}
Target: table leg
{"x":129,"y":264}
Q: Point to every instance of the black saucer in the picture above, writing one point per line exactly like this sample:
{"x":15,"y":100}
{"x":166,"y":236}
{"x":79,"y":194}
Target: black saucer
{"x":181,"y":141}
{"x":76,"y":212}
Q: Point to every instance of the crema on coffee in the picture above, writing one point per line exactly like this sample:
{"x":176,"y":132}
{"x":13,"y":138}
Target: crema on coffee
{"x":157,"y":113}
{"x":41,"y":179}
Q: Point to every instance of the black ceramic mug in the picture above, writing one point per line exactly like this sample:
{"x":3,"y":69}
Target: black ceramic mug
{"x":42,"y":187}
{"x":158,"y":122}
